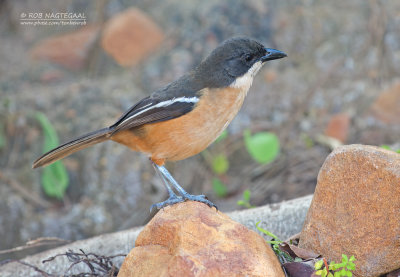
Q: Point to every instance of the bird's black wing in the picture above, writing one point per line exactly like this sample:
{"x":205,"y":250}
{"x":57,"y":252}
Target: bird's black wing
{"x":175,"y":100}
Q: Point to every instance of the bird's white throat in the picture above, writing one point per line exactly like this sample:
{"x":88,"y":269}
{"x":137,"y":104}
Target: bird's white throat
{"x":244,"y":82}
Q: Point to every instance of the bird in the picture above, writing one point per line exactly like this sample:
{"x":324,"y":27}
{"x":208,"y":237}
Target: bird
{"x":183,"y":118}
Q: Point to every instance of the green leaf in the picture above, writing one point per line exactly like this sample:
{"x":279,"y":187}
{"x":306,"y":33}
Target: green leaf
{"x":54,"y":177}
{"x":247,"y":195}
{"x":3,"y":139}
{"x":309,"y":143}
{"x":345,"y":259}
{"x":222,"y":136}
{"x":263,"y":147}
{"x":241,"y":203}
{"x":352,"y":258}
{"x":245,"y":202}
{"x":220,"y":164}
{"x":351,"y":266}
{"x":267,"y":232}
{"x":385,"y":146}
{"x":274,"y":242}
{"x":50,"y":135}
{"x":219,"y":187}
{"x":319,"y":264}
{"x":319,"y":272}
{"x":334,"y":266}
{"x":55,"y":180}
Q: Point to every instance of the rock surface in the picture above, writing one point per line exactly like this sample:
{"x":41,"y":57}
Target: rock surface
{"x":355,"y":209}
{"x":70,"y":50}
{"x":387,"y":106}
{"x":338,"y":127}
{"x":190,"y":239}
{"x":130,"y":36}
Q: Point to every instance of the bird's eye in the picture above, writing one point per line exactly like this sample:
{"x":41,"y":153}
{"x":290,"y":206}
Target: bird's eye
{"x":248,"y":57}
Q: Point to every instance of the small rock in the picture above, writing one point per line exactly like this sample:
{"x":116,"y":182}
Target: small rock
{"x":131,"y":36}
{"x":387,"y":106}
{"x":70,"y":50}
{"x":191,"y":239}
{"x":51,"y":76}
{"x":270,"y":75}
{"x":338,"y":127}
{"x":355,"y":209}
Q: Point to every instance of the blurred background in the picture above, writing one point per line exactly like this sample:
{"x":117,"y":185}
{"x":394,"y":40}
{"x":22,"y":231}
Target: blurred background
{"x":72,"y":73}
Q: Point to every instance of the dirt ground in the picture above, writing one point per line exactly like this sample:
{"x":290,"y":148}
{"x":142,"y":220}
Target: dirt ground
{"x":341,"y":56}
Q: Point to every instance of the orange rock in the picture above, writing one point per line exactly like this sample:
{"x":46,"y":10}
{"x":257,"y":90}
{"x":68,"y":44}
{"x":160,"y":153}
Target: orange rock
{"x":131,"y":36}
{"x":270,"y":75}
{"x":338,"y":127}
{"x":191,"y":239}
{"x":51,"y":76}
{"x":356,"y":209}
{"x":70,"y":50}
{"x":387,"y":106}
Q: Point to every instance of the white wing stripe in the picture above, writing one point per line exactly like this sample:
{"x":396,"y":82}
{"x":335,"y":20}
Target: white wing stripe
{"x":164,"y":104}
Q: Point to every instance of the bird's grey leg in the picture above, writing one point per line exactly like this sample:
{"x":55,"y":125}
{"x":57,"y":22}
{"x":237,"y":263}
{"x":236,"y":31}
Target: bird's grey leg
{"x":167,"y":178}
{"x":172,"y":199}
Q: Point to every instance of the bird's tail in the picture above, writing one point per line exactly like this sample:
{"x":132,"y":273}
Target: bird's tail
{"x":68,"y":148}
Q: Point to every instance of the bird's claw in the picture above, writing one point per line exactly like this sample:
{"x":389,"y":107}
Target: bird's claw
{"x":170,"y":201}
{"x":199,"y":198}
{"x":178,"y":199}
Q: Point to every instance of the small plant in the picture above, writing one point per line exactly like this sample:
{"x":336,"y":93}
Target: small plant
{"x":245,"y":202}
{"x":344,"y":268}
{"x":275,"y":242}
{"x":220,"y":164}
{"x":308,"y":142}
{"x":54,"y":177}
{"x":263,"y":147}
{"x":387,"y":147}
{"x":3,"y":139}
{"x":219,"y":187}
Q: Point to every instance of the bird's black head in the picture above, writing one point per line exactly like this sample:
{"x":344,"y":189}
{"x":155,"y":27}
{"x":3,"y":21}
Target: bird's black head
{"x":232,"y":59}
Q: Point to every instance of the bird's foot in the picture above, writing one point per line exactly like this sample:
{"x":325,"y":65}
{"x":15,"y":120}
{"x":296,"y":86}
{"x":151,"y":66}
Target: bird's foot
{"x":199,"y":198}
{"x":173,"y":199}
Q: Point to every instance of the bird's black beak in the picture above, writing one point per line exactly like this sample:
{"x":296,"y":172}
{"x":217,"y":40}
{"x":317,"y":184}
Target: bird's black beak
{"x":272,"y":54}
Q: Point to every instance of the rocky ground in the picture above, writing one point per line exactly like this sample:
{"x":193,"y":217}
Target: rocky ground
{"x":340,"y":79}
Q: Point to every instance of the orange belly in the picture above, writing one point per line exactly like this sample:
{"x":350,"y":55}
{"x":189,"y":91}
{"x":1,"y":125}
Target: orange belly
{"x":185,"y":136}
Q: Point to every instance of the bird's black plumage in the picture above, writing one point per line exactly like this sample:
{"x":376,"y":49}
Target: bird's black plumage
{"x":230,"y":60}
